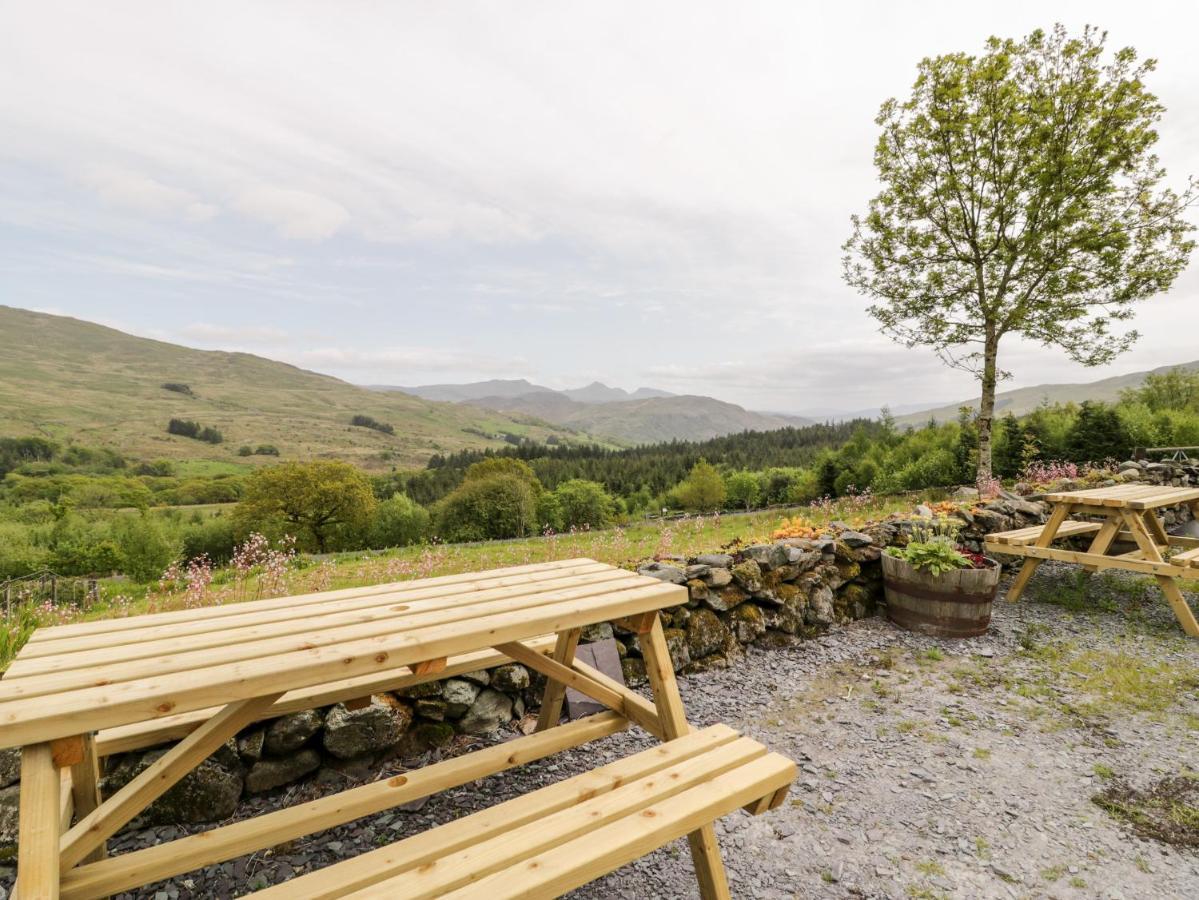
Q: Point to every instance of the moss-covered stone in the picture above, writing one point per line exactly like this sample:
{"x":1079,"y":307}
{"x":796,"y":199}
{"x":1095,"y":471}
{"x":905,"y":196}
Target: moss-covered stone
{"x":425,"y":736}
{"x":706,"y":634}
{"x":676,"y":643}
{"x":698,"y":589}
{"x":726,"y":598}
{"x":633,"y":670}
{"x":747,"y":621}
{"x":748,"y":576}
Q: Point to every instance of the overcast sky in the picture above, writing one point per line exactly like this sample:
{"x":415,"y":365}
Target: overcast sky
{"x":640,"y":193}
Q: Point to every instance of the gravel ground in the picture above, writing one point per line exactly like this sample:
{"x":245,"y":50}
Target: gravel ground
{"x":928,"y":768}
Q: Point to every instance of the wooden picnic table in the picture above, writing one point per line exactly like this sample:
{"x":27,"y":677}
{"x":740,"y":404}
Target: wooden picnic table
{"x":1126,"y":513}
{"x":77,"y":693}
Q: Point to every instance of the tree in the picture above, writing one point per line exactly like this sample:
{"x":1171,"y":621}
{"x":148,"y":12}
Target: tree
{"x":503,"y":465}
{"x":399,"y":521}
{"x":703,"y":489}
{"x":144,"y":550}
{"x":315,"y":499}
{"x":742,"y":489}
{"x":1175,"y":388}
{"x":502,"y":506}
{"x":1009,"y":448}
{"x":583,"y":504}
{"x":1020,"y":196}
{"x":1097,"y":434}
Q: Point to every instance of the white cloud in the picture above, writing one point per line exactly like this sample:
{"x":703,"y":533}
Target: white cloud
{"x":140,"y":193}
{"x":293,"y":213}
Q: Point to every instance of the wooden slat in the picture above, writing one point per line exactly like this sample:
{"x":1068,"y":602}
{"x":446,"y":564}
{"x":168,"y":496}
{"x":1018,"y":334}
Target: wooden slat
{"x":463,"y":582}
{"x":380,"y":625}
{"x":38,"y":829}
{"x":1173,"y":497}
{"x":118,"y":810}
{"x":139,"y":735}
{"x":1104,"y":496}
{"x":579,"y":861}
{"x":165,"y":860}
{"x":1099,"y":561}
{"x":49,"y":658}
{"x":423,"y":849}
{"x":1029,"y":535}
{"x":494,"y":850}
{"x":1189,"y":557}
{"x":44,"y":718}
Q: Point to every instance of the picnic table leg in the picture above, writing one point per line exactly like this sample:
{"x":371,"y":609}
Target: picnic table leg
{"x":1167,"y":583}
{"x":555,"y":691}
{"x":1031,"y":564}
{"x":38,"y":831}
{"x":1104,"y":538}
{"x":705,"y":852}
{"x":85,"y":789}
{"x":1155,"y":528}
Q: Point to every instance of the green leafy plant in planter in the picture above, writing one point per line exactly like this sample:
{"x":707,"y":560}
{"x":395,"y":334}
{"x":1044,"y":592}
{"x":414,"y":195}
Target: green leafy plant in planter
{"x":937,"y":587}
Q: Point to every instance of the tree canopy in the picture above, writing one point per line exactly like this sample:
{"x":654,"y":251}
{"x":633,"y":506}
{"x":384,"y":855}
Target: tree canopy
{"x":1020,"y":196}
{"x":314,"y":499}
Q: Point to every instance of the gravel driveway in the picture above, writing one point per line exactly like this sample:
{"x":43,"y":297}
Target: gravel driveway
{"x":928,"y":768}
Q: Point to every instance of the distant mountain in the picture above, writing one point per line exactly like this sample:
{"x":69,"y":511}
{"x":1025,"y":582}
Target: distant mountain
{"x":1025,"y":400}
{"x":456,"y":393}
{"x":647,"y":421}
{"x":72,"y":380}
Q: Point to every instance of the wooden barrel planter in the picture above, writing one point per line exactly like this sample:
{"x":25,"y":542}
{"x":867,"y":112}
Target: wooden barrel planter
{"x":953,"y":604}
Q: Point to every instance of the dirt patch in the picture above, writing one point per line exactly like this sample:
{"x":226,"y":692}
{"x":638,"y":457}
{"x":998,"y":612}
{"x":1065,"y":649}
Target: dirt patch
{"x":1167,"y":811}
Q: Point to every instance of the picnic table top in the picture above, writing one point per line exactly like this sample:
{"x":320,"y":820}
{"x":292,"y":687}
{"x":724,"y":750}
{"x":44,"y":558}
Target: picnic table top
{"x":1128,"y":496}
{"x":73,"y":679}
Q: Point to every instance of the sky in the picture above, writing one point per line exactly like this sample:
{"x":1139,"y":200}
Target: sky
{"x":412,"y":192}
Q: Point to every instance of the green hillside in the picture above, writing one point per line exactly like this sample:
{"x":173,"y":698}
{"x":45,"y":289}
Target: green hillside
{"x":72,"y":380}
{"x":1024,"y":400}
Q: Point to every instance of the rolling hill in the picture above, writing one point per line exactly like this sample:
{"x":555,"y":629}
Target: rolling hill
{"x":1025,"y":400}
{"x":644,"y":416}
{"x":73,"y":380}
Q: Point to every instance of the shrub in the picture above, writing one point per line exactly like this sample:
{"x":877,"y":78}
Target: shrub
{"x":375,"y":425}
{"x":184,"y":428}
{"x":741,"y":489}
{"x":210,"y":435}
{"x":266,"y":450}
{"x":703,"y":489}
{"x":245,"y":450}
{"x":211,"y":537}
{"x":178,"y":387}
{"x":502,"y":506}
{"x":583,"y":504}
{"x":549,"y":513}
{"x":143,"y":548}
{"x":399,"y":521}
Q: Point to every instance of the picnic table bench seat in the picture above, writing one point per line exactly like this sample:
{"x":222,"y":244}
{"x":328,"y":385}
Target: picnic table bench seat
{"x":1188,"y":558}
{"x":1023,"y":536}
{"x":545,"y":843}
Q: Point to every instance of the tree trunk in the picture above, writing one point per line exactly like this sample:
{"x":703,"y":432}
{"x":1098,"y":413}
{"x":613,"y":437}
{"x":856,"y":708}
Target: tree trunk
{"x":986,"y":408}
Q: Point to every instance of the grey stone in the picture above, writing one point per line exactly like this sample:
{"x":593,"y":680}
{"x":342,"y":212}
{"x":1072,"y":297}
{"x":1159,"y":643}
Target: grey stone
{"x":718,"y":578}
{"x":820,"y":606}
{"x":10,"y":766}
{"x":715,"y":560}
{"x":491,"y":710}
{"x":601,"y":631}
{"x":748,"y":575}
{"x":856,"y":539}
{"x":663,"y":572}
{"x":768,"y":556}
{"x":292,"y":731}
{"x":356,"y":732}
{"x":459,"y":695}
{"x":481,"y":677}
{"x":271,"y":772}
{"x":511,"y":679}
{"x":697,"y":571}
{"x":10,"y":801}
{"x":250,"y":745}
{"x":207,"y":793}
{"x":726,"y":598}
